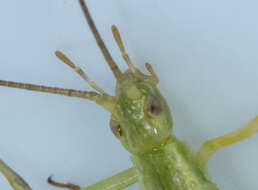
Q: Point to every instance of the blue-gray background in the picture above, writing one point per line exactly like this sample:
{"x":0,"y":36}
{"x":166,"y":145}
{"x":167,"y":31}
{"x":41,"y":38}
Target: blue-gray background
{"x":205,"y":53}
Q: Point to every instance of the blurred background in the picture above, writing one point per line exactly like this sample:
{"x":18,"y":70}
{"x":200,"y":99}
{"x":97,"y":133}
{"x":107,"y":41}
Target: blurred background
{"x":204,"y":52}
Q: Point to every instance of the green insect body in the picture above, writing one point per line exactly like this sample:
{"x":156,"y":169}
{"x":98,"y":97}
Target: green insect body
{"x":172,"y":166}
{"x":144,"y":119}
{"x":141,"y":120}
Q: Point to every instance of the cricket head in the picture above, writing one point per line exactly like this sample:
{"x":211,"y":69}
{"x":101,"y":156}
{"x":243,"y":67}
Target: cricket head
{"x":141,"y":118}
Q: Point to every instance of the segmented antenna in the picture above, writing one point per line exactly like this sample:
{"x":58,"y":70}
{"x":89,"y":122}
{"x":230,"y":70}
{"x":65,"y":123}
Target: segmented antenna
{"x":116,"y":71}
{"x":61,"y":91}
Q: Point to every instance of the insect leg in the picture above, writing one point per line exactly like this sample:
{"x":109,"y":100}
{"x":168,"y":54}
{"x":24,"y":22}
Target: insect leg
{"x":13,"y":178}
{"x":115,"y":182}
{"x":211,"y":146}
{"x":62,"y":185}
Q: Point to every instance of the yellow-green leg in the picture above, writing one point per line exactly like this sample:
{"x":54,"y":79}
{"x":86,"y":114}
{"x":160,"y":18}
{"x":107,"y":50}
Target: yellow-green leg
{"x":211,"y":146}
{"x":115,"y":182}
{"x":14,"y":179}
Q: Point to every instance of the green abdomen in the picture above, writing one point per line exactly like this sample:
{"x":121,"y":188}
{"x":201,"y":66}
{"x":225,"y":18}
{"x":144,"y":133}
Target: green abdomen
{"x":172,"y":167}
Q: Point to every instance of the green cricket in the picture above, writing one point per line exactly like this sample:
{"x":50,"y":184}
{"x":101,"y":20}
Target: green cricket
{"x":141,"y":120}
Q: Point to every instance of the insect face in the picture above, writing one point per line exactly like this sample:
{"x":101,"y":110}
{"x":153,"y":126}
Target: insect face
{"x":141,"y":119}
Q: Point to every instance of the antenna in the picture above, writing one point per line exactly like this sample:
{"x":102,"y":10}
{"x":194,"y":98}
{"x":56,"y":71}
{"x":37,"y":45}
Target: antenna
{"x":113,"y":66}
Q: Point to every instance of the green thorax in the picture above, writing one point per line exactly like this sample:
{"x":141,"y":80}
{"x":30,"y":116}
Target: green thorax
{"x":171,"y":167}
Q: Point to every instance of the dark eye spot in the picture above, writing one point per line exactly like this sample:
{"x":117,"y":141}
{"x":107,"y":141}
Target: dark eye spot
{"x":154,"y":106}
{"x":115,"y":128}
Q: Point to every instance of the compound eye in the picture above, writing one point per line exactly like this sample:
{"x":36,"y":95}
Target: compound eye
{"x":154,"y":106}
{"x":115,"y":128}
